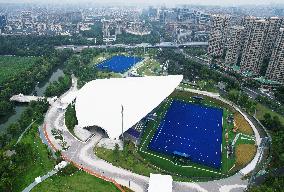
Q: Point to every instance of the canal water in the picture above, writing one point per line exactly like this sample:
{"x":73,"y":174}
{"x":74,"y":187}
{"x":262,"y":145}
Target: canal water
{"x":20,"y":108}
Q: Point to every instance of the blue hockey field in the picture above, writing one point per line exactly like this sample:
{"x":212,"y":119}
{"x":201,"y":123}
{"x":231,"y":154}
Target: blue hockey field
{"x":191,"y":131}
{"x":119,"y":64}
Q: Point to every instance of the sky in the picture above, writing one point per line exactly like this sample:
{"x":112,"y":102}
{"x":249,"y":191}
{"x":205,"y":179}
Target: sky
{"x":155,"y":2}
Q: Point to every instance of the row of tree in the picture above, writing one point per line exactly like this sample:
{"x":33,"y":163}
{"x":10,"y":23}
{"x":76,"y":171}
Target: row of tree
{"x":32,"y":45}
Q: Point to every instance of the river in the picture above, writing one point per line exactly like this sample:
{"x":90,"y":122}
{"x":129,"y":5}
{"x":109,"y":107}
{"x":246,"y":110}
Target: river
{"x":20,"y":108}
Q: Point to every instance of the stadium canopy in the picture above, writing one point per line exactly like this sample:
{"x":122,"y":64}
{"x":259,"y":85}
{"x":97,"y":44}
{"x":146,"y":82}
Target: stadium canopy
{"x":99,"y":102}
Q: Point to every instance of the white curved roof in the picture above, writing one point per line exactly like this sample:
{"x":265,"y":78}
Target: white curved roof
{"x":99,"y":101}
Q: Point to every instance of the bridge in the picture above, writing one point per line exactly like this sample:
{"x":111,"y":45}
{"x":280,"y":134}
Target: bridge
{"x":28,"y":98}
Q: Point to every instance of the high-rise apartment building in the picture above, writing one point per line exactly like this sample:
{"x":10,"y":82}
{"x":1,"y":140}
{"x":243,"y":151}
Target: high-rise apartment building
{"x":275,"y":70}
{"x":252,"y":55}
{"x":235,"y":36}
{"x":217,"y":38}
{"x":272,"y":30}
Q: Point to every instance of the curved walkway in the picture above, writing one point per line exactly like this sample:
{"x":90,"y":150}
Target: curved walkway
{"x":81,"y":154}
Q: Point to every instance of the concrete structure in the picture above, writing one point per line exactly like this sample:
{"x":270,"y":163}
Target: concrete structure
{"x":234,"y":45}
{"x":102,"y":102}
{"x":160,"y":182}
{"x":252,"y":56}
{"x":217,"y":36}
{"x":275,"y":70}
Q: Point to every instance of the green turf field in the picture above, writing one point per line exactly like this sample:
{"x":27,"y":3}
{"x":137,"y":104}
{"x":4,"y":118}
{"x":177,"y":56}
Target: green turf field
{"x":78,"y":181}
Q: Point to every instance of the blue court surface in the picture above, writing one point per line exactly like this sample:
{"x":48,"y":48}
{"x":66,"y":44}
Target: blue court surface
{"x":192,"y":131}
{"x":119,"y":64}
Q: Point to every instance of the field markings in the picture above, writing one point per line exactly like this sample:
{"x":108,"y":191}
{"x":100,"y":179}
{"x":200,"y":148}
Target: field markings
{"x":166,"y":159}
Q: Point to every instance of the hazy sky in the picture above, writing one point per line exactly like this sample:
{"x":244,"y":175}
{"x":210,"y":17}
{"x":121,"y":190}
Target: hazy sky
{"x":165,"y":2}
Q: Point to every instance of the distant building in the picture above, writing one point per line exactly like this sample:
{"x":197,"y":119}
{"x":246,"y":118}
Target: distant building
{"x":219,"y":24}
{"x":275,"y":70}
{"x":203,"y":18}
{"x":252,"y":56}
{"x":106,"y":26}
{"x":73,"y":17}
{"x":161,"y":15}
{"x":234,"y":45}
{"x":3,"y":21}
{"x":171,"y":16}
{"x":26,"y":19}
{"x":153,"y":13}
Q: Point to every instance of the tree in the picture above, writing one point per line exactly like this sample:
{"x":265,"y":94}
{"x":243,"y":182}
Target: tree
{"x":5,"y":107}
{"x":233,"y":95}
{"x":14,"y":129}
{"x":116,"y":152}
{"x":70,"y":118}
{"x":58,"y":87}
{"x":272,"y":123}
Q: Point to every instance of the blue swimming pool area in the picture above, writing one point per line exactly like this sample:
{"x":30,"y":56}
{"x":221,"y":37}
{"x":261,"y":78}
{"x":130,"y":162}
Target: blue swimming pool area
{"x":191,"y":131}
{"x":119,"y":64}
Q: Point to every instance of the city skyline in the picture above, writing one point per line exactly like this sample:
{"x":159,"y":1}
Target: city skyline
{"x":156,"y":2}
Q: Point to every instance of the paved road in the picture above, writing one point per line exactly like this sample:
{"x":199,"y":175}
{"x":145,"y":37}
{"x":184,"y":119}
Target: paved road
{"x":79,"y":48}
{"x":82,"y":154}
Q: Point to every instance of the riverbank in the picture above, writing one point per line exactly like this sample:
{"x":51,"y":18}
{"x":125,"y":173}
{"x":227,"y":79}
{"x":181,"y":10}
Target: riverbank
{"x":39,"y":90}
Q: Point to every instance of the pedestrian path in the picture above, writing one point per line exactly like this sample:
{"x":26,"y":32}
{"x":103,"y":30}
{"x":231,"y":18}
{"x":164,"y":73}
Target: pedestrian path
{"x":21,"y":136}
{"x":40,"y":179}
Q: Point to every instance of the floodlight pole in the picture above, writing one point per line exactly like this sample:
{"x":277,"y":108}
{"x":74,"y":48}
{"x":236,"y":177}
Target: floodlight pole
{"x":122,"y":122}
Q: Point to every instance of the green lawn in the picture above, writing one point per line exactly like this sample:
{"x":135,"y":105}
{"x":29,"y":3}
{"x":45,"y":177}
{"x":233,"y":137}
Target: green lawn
{"x":101,"y":57}
{"x":261,"y":110}
{"x":150,"y":67}
{"x":79,"y":181}
{"x":201,"y":85}
{"x":129,"y":159}
{"x":11,"y":66}
{"x":39,"y":166}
